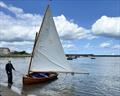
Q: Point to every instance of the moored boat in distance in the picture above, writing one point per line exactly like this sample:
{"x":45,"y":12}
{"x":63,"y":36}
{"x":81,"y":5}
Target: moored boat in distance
{"x":69,"y":58}
{"x":93,"y":58}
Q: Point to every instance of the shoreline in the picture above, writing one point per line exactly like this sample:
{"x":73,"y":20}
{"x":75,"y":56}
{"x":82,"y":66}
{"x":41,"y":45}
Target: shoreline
{"x":67,"y":55}
{"x":5,"y":91}
{"x":2,"y":56}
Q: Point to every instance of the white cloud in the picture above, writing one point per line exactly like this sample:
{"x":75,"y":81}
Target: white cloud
{"x":105,"y":45}
{"x":18,"y":46}
{"x":69,"y":30}
{"x":18,"y":31}
{"x":107,"y":26}
{"x":116,"y":47}
{"x":68,"y":46}
{"x":16,"y":43}
{"x":19,"y":28}
{"x":88,"y":45}
{"x":109,"y":45}
{"x":2,"y":4}
{"x":23,"y":26}
{"x":11,"y":8}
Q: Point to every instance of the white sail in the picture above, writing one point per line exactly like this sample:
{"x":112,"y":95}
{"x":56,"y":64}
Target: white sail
{"x":48,"y":54}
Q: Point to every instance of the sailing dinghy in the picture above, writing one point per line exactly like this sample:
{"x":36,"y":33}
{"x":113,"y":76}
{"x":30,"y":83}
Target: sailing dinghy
{"x":48,"y":57}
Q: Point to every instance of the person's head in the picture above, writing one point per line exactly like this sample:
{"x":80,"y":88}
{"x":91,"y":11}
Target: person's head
{"x":9,"y":61}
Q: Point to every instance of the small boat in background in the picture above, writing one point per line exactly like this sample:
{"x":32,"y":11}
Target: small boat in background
{"x":93,"y":58}
{"x":69,"y":58}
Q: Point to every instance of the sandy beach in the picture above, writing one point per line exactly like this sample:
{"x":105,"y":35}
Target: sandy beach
{"x":5,"y":91}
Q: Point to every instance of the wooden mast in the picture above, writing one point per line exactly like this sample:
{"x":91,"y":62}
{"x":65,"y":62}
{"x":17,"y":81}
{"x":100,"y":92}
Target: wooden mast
{"x":33,"y":51}
{"x":36,"y":39}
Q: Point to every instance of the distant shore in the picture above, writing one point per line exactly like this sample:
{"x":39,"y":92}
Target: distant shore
{"x":107,"y":55}
{"x":16,"y":55}
{"x":67,"y":55}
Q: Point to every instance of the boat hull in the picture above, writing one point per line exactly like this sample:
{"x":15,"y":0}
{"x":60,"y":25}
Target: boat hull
{"x":28,"y":79}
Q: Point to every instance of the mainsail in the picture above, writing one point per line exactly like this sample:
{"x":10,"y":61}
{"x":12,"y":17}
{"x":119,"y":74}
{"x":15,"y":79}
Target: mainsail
{"x":48,"y":54}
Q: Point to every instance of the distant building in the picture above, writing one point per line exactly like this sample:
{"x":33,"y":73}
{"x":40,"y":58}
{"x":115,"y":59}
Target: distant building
{"x":4,"y":51}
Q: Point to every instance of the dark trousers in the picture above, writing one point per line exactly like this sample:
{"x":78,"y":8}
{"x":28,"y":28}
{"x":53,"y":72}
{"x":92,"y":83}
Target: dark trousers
{"x":10,"y":77}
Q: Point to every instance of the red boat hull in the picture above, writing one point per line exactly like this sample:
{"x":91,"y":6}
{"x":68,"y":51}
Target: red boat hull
{"x":28,"y":79}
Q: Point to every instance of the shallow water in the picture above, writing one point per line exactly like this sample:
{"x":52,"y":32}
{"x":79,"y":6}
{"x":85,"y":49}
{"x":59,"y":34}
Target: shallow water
{"x":103,"y":80}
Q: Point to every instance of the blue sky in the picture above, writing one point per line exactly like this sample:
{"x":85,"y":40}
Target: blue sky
{"x":92,"y":26}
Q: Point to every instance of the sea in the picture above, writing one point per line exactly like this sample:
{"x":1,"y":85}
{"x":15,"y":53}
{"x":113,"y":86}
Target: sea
{"x":103,"y":78}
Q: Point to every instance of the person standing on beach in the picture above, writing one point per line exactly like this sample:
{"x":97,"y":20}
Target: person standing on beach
{"x":9,"y":67}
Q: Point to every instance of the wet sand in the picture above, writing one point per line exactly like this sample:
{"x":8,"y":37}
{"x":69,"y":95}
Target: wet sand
{"x":5,"y":91}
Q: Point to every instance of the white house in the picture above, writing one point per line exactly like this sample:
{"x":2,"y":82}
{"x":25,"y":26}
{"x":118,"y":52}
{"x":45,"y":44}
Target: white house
{"x":4,"y":51}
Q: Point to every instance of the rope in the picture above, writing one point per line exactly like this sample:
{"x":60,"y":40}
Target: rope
{"x":19,"y":72}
